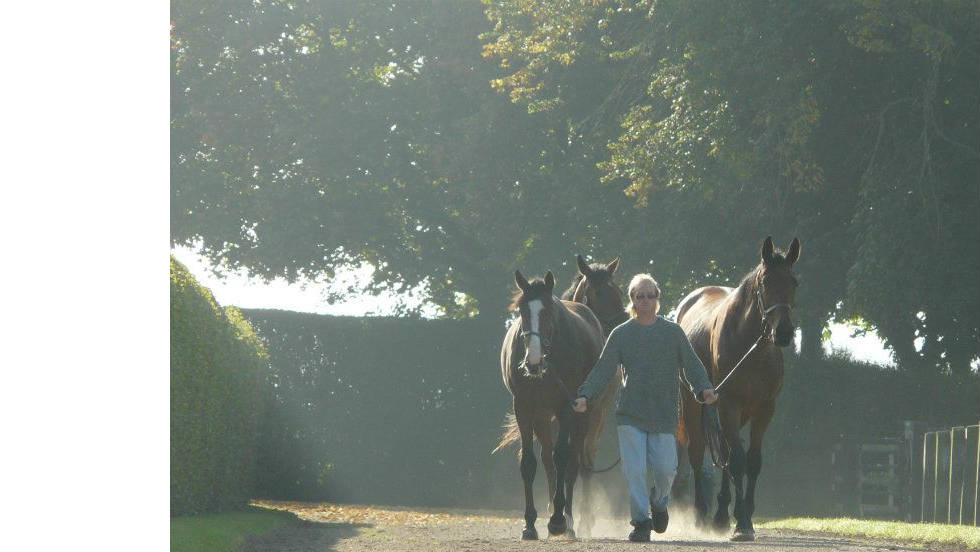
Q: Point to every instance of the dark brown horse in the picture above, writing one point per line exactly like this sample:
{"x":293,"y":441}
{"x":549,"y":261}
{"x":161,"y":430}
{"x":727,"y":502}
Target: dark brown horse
{"x":723,"y":324}
{"x":594,"y":287}
{"x":545,"y":357}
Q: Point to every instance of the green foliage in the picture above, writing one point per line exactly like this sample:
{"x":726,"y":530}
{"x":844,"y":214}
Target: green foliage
{"x":224,"y":532}
{"x":370,"y":136}
{"x":216,"y":365}
{"x":852,"y":124}
{"x":448,"y":143}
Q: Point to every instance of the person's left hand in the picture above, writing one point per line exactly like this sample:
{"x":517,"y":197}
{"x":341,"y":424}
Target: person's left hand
{"x":709,"y":396}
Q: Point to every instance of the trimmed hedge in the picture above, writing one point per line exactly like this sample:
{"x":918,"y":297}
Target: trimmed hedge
{"x":216,"y":368}
{"x":380,"y":410}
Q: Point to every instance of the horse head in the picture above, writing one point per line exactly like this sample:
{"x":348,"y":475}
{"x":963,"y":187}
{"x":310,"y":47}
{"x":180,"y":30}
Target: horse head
{"x":775,"y":289}
{"x":536,"y":304}
{"x":595,"y":288}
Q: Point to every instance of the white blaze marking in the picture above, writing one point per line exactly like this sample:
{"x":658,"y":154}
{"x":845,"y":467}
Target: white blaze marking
{"x":534,"y":347}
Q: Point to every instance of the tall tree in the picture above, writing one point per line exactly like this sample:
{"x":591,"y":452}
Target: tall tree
{"x":308,"y":137}
{"x":840,"y":122}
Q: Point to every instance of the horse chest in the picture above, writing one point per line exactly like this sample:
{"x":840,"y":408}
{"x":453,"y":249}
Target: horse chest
{"x":758,"y":378}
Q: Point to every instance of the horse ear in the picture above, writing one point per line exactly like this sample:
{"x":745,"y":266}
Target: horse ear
{"x":583,"y":267}
{"x":793,"y":254}
{"x":767,"y":250}
{"x":549,"y":281}
{"x":612,"y":266}
{"x":521,"y":281}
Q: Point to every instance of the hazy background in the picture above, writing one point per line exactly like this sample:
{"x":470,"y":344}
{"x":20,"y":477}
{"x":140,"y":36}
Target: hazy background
{"x":402,"y":159}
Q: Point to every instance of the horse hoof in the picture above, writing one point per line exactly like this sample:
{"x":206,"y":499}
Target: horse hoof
{"x":743,"y":536}
{"x":557,"y":528}
{"x":720,"y":524}
{"x":529,"y":534}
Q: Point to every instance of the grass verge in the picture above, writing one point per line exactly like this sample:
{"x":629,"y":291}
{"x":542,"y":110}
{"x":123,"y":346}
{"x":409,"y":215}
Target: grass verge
{"x":223,"y":532}
{"x":920,"y":533}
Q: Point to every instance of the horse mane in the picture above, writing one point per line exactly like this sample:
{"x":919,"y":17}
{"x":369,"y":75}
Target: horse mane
{"x":515,"y":300}
{"x":570,"y":292}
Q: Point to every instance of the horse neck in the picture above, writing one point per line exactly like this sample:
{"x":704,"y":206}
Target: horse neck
{"x":743,"y":317}
{"x":562,"y":320}
{"x":607,"y":325}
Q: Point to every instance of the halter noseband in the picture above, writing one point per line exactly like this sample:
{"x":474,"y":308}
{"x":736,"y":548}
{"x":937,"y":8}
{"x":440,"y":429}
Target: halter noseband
{"x":545,"y":346}
{"x":765,"y":311}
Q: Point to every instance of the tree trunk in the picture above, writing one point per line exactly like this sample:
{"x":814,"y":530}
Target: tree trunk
{"x":811,"y":330}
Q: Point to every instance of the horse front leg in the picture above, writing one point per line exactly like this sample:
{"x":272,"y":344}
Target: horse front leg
{"x":543,"y":431}
{"x":754,"y":460}
{"x":729,"y":419}
{"x":563,"y":449}
{"x":743,"y":527}
{"x":528,"y":467}
{"x":577,"y":437}
{"x":694,"y":435}
{"x":702,"y":483}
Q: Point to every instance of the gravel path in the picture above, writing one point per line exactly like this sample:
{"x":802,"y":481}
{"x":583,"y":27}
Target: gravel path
{"x":347,"y":527}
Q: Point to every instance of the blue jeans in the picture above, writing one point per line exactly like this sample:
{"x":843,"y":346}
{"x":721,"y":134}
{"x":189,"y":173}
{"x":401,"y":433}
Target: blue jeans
{"x":637,"y":448}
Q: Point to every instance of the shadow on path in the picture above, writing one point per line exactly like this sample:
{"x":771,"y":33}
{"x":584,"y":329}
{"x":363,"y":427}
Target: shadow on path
{"x":303,"y":536}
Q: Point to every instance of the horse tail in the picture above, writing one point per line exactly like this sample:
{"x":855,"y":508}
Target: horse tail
{"x":682,"y":439}
{"x":512,"y":433}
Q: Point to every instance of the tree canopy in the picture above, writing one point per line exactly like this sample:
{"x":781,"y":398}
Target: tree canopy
{"x":447,"y":143}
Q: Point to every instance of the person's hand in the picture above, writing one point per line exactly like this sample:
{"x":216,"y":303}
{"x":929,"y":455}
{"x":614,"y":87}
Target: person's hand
{"x":580,"y":405}
{"x":709,"y":396}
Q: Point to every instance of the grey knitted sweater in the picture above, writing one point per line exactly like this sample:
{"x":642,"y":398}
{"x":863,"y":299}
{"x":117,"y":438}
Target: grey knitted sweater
{"x":651,"y":356}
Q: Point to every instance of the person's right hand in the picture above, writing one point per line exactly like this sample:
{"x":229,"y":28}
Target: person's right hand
{"x":580,"y":405}
{"x":709,"y":396}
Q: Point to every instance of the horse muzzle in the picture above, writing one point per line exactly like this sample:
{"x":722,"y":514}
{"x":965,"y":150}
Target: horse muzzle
{"x":534,"y":371}
{"x":783,"y":336}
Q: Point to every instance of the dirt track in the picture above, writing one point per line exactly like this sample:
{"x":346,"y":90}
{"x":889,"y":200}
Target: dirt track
{"x":345,"y":528}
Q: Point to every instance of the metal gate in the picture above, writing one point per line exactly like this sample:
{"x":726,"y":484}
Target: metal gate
{"x":950,"y":475}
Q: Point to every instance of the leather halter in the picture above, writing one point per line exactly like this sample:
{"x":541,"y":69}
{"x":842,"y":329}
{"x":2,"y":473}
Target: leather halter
{"x":545,"y":350}
{"x":765,"y":311}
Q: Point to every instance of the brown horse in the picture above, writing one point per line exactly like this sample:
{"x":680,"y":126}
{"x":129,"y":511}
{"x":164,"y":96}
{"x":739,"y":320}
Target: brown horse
{"x":545,"y":357}
{"x":722,"y":324}
{"x":594,"y":287}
